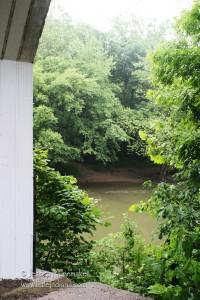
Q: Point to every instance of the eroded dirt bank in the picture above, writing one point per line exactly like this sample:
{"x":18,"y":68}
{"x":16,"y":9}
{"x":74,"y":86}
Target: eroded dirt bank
{"x":87,"y":174}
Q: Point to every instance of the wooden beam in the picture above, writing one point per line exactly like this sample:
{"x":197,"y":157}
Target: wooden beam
{"x":33,"y":30}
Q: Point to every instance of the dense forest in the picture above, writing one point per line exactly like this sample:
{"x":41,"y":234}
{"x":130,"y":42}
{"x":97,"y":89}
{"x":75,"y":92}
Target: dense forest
{"x":90,"y":90}
{"x":126,"y":91}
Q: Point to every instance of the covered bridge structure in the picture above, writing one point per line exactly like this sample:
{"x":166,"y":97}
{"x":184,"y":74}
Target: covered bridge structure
{"x":21,"y":24}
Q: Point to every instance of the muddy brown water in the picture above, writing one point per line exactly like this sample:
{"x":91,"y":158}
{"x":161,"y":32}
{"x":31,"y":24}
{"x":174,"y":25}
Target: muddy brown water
{"x":115,"y":200}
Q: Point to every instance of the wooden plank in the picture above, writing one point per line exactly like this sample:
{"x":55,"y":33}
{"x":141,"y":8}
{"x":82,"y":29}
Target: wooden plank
{"x":33,"y":30}
{"x":5,"y":8}
{"x":17,"y":29}
{"x":21,"y":25}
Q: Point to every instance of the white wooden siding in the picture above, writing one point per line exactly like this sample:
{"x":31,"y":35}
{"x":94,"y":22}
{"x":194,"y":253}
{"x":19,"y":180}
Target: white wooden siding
{"x":16,"y":170}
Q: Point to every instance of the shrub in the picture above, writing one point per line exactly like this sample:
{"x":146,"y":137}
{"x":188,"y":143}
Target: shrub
{"x":122,"y":260}
{"x":64,"y":214}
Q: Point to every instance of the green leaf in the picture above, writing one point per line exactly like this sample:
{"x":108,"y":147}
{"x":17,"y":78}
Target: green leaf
{"x":157,"y":289}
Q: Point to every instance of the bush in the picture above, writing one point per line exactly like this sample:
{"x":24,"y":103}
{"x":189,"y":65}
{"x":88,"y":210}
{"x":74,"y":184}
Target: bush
{"x":177,"y":208}
{"x":122,"y":260}
{"x":170,"y":271}
{"x":64,"y":214}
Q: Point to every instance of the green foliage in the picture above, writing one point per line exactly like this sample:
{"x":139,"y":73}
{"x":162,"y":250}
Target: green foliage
{"x":189,"y":23}
{"x":57,"y":149}
{"x":64,"y":214}
{"x":44,"y":118}
{"x":90,"y":100}
{"x":86,"y":85}
{"x":173,"y":139}
{"x":176,"y":206}
{"x":170,"y":271}
{"x":122,"y":260}
{"x":73,"y":82}
{"x":128,"y":43}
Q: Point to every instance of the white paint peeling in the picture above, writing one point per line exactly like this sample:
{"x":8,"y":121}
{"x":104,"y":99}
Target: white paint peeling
{"x":16,"y":169}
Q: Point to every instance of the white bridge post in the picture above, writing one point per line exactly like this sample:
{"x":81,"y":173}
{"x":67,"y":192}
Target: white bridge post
{"x":16,"y":170}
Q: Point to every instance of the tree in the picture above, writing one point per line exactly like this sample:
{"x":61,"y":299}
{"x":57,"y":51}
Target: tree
{"x":77,"y":112}
{"x":128,"y":43}
{"x":174,"y":139}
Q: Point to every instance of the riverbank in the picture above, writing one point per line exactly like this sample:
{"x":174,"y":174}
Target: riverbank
{"x":137,"y":175}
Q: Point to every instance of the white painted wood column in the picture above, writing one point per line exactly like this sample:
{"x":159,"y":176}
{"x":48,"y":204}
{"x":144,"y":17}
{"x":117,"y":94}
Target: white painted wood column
{"x":16,"y":169}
